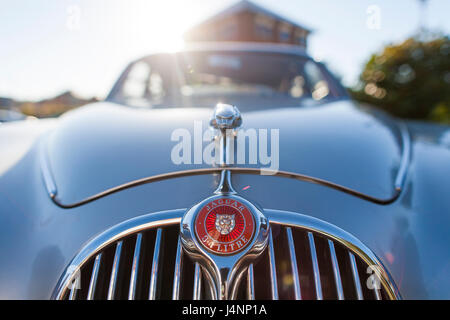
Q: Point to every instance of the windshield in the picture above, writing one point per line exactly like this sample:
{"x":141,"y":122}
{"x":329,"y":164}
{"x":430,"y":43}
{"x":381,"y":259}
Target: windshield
{"x":246,"y":79}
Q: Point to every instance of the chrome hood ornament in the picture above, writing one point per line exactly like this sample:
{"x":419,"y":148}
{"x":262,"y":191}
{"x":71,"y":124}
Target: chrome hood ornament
{"x":224,"y":233}
{"x":226,"y":120}
{"x":225,"y":117}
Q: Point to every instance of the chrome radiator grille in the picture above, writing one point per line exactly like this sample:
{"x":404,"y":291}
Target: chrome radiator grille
{"x":144,"y":260}
{"x":307,"y":265}
{"x":145,"y":265}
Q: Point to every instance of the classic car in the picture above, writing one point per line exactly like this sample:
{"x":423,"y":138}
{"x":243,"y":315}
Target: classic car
{"x":225,"y":171}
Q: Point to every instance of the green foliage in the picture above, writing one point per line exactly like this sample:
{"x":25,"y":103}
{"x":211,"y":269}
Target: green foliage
{"x":409,"y":80}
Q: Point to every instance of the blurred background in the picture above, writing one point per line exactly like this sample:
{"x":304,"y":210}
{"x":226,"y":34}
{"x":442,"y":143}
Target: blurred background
{"x":57,"y":55}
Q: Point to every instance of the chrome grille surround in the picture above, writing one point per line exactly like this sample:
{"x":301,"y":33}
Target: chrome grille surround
{"x":101,"y":261}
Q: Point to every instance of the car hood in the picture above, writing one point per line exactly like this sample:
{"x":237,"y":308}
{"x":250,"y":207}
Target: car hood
{"x":103,"y":145}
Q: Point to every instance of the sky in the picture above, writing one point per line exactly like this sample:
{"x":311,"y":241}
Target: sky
{"x":51,"y":46}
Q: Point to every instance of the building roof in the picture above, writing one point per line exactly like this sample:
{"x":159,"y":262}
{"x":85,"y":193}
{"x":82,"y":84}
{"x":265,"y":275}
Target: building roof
{"x":245,"y":5}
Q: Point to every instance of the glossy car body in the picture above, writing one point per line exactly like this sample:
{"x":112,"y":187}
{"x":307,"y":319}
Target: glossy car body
{"x":103,"y":145}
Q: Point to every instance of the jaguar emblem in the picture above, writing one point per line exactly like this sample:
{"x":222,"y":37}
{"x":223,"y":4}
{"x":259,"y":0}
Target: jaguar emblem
{"x":225,"y":223}
{"x":224,"y":226}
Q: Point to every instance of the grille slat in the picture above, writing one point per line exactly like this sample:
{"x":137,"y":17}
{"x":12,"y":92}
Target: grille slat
{"x":273,"y":270}
{"x":337,"y":273}
{"x":250,"y":283}
{"x":177,"y":271}
{"x":135,"y":268}
{"x":210,"y":288}
{"x":155,"y":266}
{"x":115,"y":271}
{"x":301,"y":262}
{"x":377,"y":294}
{"x":295,"y":275}
{"x":73,"y":293}
{"x":356,"y":279}
{"x":315,"y":263}
{"x":196,"y":294}
{"x":94,"y":277}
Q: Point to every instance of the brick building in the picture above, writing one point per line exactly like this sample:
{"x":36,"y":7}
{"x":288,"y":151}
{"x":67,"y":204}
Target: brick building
{"x":246,"y":21}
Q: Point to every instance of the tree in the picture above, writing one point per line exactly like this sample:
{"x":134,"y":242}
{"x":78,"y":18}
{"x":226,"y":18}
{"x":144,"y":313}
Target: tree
{"x":409,"y":80}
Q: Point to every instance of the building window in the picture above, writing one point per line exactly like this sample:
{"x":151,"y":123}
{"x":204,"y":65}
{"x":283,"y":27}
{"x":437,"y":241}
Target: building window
{"x":264,"y":27}
{"x":284,"y":36}
{"x":284,"y":33}
{"x":300,"y":37}
{"x":301,"y":41}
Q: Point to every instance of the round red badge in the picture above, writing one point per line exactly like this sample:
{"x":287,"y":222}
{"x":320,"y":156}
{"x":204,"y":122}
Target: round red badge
{"x":224,"y":226}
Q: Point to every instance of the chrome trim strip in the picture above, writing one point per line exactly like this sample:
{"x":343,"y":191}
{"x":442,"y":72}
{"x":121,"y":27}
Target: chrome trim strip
{"x":155,"y":266}
{"x":298,"y":293}
{"x":196,"y":295}
{"x":399,"y":182}
{"x":398,"y":185}
{"x":336,"y":271}
{"x":273,"y":270}
{"x":250,"y":283}
{"x":94,"y":276}
{"x":177,"y":272}
{"x":315,"y":264}
{"x":135,"y":268}
{"x":114,"y":271}
{"x":356,"y":279}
